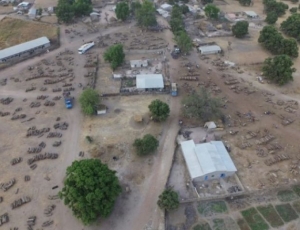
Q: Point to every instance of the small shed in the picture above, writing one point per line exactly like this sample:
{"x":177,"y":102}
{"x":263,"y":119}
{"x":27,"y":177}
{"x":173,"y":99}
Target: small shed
{"x":138,"y":63}
{"x":166,"y":7}
{"x":213,"y":49}
{"x":32,"y":13}
{"x":149,"y":81}
{"x":210,"y":125}
{"x":101,"y":109}
{"x":117,"y":76}
{"x":251,"y":14}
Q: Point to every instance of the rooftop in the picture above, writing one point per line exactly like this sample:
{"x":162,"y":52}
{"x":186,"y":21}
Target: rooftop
{"x":251,"y":13}
{"x":10,"y":51}
{"x":139,"y":62}
{"x":149,"y":81}
{"x":209,"y":48}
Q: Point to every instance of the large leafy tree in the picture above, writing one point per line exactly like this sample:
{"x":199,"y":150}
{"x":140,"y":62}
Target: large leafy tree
{"x":89,"y":99}
{"x":273,"y":6}
{"x":168,"y":200}
{"x":135,"y":6}
{"x":240,"y":29}
{"x":211,"y":11}
{"x":271,"y":18}
{"x":146,"y":14}
{"x":68,"y":9}
{"x":159,"y":110}
{"x":289,"y":47}
{"x":90,"y":190}
{"x":115,"y":55}
{"x":291,"y":26}
{"x":82,"y":7}
{"x":122,"y":10}
{"x":184,"y":42}
{"x":176,"y":25}
{"x":245,"y":2}
{"x":146,"y":145}
{"x":279,"y":69}
{"x":202,"y":106}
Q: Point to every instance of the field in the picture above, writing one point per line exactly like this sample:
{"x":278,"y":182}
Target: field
{"x":269,"y":213}
{"x":212,"y":208}
{"x":202,"y":226}
{"x":286,"y":212}
{"x":254,"y":219}
{"x":296,"y":206}
{"x":15,"y":31}
{"x":243,"y":224}
{"x":286,"y":195}
{"x":296,"y":189}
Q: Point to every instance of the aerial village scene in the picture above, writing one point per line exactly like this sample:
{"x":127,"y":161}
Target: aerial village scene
{"x":149,"y":115}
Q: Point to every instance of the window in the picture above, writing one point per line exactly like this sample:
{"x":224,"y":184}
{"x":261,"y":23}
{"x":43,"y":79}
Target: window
{"x":212,"y":175}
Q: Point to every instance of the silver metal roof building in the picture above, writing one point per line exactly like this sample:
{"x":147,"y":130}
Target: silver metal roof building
{"x":213,"y":49}
{"x":24,"y":47}
{"x":149,"y":81}
{"x":208,"y":160}
{"x":138,"y":63}
{"x":251,"y":14}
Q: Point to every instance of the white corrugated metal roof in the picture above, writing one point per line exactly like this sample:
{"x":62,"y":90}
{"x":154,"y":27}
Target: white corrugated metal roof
{"x":205,"y":158}
{"x":139,"y":62}
{"x":149,"y":81}
{"x":23,"y":47}
{"x":209,"y":48}
{"x":251,"y":13}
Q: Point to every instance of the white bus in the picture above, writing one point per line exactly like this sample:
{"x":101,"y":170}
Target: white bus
{"x":85,"y":47}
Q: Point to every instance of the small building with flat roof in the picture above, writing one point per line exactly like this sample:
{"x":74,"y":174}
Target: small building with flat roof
{"x":138,"y":63}
{"x":251,"y":14}
{"x":149,"y":81}
{"x":213,"y":49}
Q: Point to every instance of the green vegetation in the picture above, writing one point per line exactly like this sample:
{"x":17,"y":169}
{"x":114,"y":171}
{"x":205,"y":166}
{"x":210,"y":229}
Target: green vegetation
{"x":68,"y":9}
{"x":211,"y":11}
{"x":135,"y":6}
{"x":270,"y":214}
{"x":219,"y":224}
{"x":243,"y":224}
{"x":286,"y":195}
{"x":279,"y":69}
{"x":204,"y":2}
{"x":271,"y":18}
{"x":168,"y":200}
{"x":254,"y":220}
{"x":273,"y":6}
{"x":202,"y":106}
{"x":273,"y":41}
{"x":184,"y":9}
{"x":286,"y":212}
{"x":184,"y":41}
{"x":202,"y":226}
{"x":122,"y":10}
{"x":89,"y":139}
{"x":90,"y":190}
{"x":148,"y":144}
{"x":159,"y":110}
{"x":240,"y":29}
{"x":115,"y":56}
{"x":245,"y":2}
{"x":296,"y":189}
{"x":296,"y":206}
{"x":145,"y":15}
{"x":291,"y":26}
{"x":89,"y":99}
{"x":294,"y":10}
{"x":212,"y":207}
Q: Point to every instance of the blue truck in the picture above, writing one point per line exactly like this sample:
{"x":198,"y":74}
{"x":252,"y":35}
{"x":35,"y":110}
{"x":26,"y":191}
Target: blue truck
{"x":69,"y":102}
{"x":174,"y":92}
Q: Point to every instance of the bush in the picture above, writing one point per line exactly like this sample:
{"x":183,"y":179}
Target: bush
{"x":211,"y":11}
{"x":291,"y":26}
{"x":122,"y":10}
{"x":168,"y":200}
{"x":89,"y":139}
{"x":294,"y":10}
{"x":148,"y":144}
{"x":271,"y":18}
{"x":159,"y":110}
{"x":240,"y":29}
{"x":89,"y":99}
{"x":115,"y":55}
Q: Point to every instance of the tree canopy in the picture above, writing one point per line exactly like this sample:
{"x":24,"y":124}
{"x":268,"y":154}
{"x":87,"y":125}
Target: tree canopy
{"x":90,"y":190}
{"x":115,"y":55}
{"x":135,"y":6}
{"x":159,"y":110}
{"x":176,"y":25}
{"x":273,"y":6}
{"x":245,"y":2}
{"x":271,"y":18}
{"x":146,"y":145}
{"x":168,"y":200}
{"x":279,"y":69}
{"x":184,"y":42}
{"x":240,"y":29}
{"x":204,"y":2}
{"x":89,"y":99}
{"x":66,"y":10}
{"x":211,"y":11}
{"x":291,"y":26}
{"x":145,"y":15}
{"x":184,"y":9}
{"x":202,"y":106}
{"x":273,"y":41}
{"x":122,"y":10}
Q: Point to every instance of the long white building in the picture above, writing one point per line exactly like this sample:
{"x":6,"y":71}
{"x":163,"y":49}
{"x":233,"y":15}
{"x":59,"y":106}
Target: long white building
{"x":24,"y":49}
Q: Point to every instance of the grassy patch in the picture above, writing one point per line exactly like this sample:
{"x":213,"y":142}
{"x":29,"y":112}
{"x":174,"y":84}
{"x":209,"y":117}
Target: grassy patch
{"x":270,"y":214}
{"x":219,"y":224}
{"x":243,"y":224}
{"x":296,"y":189}
{"x":211,"y":208}
{"x":296,"y":206}
{"x":202,"y":226}
{"x":286,"y":195}
{"x":254,"y":220}
{"x":286,"y":212}
{"x":15,"y":31}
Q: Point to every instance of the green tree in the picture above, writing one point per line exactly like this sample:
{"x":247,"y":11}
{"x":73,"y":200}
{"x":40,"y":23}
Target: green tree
{"x":148,"y":144}
{"x":240,"y":29}
{"x":176,"y":25}
{"x":159,"y":110}
{"x":294,"y":10}
{"x":89,"y":99}
{"x":176,"y":12}
{"x":291,"y":26}
{"x":279,"y":69}
{"x":202,"y":106}
{"x":271,"y":39}
{"x":278,"y":7}
{"x":122,"y":11}
{"x":184,"y":42}
{"x":289,"y":47}
{"x":211,"y":11}
{"x":204,"y":2}
{"x":64,"y":11}
{"x":294,"y":1}
{"x":115,"y":55}
{"x":146,"y":14}
{"x":90,"y":190}
{"x":184,"y":9}
{"x":245,"y":2}
{"x":135,"y":6}
{"x":82,"y":7}
{"x":39,"y":11}
{"x":168,"y":200}
{"x":271,"y":18}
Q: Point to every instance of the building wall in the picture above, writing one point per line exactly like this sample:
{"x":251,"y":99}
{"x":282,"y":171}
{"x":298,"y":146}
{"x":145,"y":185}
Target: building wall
{"x":210,"y":52}
{"x":213,"y":176}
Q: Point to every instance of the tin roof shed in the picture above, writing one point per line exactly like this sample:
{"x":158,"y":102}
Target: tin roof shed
{"x":149,"y":81}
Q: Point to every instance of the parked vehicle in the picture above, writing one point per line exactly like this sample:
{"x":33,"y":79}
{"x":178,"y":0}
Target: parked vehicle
{"x":85,"y":47}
